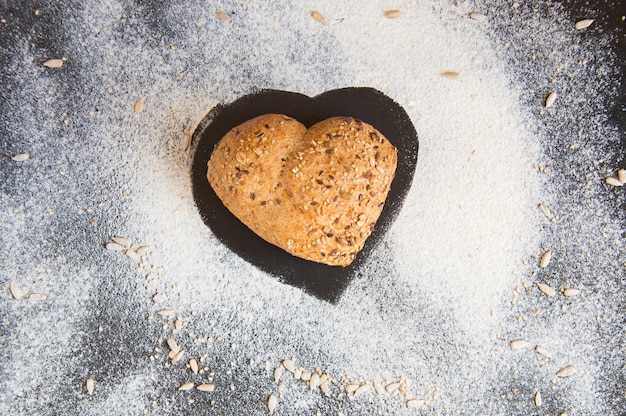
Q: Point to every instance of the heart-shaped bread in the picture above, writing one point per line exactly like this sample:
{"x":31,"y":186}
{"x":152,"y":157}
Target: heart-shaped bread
{"x":316,"y":193}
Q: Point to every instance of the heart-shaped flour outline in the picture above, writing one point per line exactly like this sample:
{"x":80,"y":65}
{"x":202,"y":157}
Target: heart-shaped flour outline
{"x":367,"y":104}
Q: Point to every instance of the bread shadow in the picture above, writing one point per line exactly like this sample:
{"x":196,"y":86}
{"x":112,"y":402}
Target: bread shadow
{"x":367,"y":104}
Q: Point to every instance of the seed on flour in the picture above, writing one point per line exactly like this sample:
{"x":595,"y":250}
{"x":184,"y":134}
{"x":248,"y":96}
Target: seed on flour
{"x":290,"y":365}
{"x":186,"y":386}
{"x":378,"y":387}
{"x":570,"y":291}
{"x":178,"y":356}
{"x":542,"y":351}
{"x":272,"y":402}
{"x":538,"y":400}
{"x":37,"y":296}
{"x":613,"y":181}
{"x":15,"y":290}
{"x":518,"y":344}
{"x":123,"y":241}
{"x":53,"y":63}
{"x":621,"y":175}
{"x":545,"y":259}
{"x":477,"y":16}
{"x":206,"y":387}
{"x":306,"y":375}
{"x":278,"y":372}
{"x":114,"y":247}
{"x":547,"y":290}
{"x":139,"y":104}
{"x":566,"y":371}
{"x":351,"y":388}
{"x":392,"y":14}
{"x":167,"y":313}
{"x":545,"y":210}
{"x":132,"y":254}
{"x":415,"y":402}
{"x":20,"y":157}
{"x":318,"y":17}
{"x":222,"y":15}
{"x":193,"y":364}
{"x":362,"y":389}
{"x":550,"y":99}
{"x":314,"y":382}
{"x":391,"y":387}
{"x":450,"y":74}
{"x":583,"y":24}
{"x":325,"y":387}
{"x":297,"y":373}
{"x":90,"y":385}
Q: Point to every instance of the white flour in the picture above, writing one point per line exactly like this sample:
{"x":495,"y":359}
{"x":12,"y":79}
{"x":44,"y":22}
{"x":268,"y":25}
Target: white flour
{"x":433,"y":305}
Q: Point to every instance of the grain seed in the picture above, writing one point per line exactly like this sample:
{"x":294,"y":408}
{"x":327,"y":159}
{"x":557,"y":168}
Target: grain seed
{"x":15,"y":290}
{"x":114,"y":247}
{"x":193,"y":365}
{"x":542,"y":351}
{"x":570,"y":291}
{"x":392,"y":14}
{"x":583,"y":24}
{"x":518,"y":344}
{"x":297,"y":373}
{"x":538,"y":400}
{"x":318,"y":17}
{"x":362,"y":389}
{"x":378,"y":386}
{"x":178,"y":357}
{"x":167,"y":313}
{"x":306,"y":375}
{"x":550,"y":99}
{"x":391,"y":387}
{"x":314,"y":382}
{"x":37,"y":296}
{"x":545,"y":259}
{"x":613,"y":181}
{"x":132,"y":254}
{"x":325,"y":387}
{"x":143,"y":249}
{"x":290,"y":365}
{"x":222,"y":15}
{"x":186,"y":386}
{"x":450,"y":74}
{"x":206,"y":387}
{"x":20,"y":157}
{"x":351,"y":388}
{"x":90,"y":385}
{"x":547,"y":290}
{"x":278,"y":372}
{"x":139,"y":104}
{"x":173,"y":345}
{"x":53,"y":63}
{"x":272,"y":402}
{"x":545,"y":210}
{"x":415,"y":402}
{"x":567,"y":371}
{"x":621,"y":175}
{"x":477,"y":16}
{"x":122,"y":241}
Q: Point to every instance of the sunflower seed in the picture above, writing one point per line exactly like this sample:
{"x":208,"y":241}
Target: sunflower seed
{"x":566,"y":371}
{"x":550,"y":99}
{"x":139,"y":104}
{"x":193,"y":364}
{"x":53,"y":63}
{"x":415,"y":402}
{"x":290,"y":365}
{"x":114,"y":247}
{"x":450,"y":74}
{"x":538,"y":400}
{"x":545,"y":259}
{"x":547,"y":290}
{"x":15,"y":290}
{"x":90,"y":385}
{"x":570,"y":291}
{"x":173,"y":345}
{"x":621,"y":175}
{"x":613,"y":181}
{"x":37,"y":296}
{"x":518,"y":344}
{"x":542,"y":351}
{"x":206,"y":387}
{"x":318,"y":17}
{"x":272,"y":402}
{"x":477,"y":16}
{"x":186,"y":386}
{"x":392,"y":14}
{"x":583,"y":24}
{"x":20,"y":157}
{"x":122,"y":241}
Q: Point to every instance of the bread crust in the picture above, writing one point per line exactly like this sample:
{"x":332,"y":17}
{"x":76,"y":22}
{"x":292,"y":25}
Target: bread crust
{"x":315,"y":193}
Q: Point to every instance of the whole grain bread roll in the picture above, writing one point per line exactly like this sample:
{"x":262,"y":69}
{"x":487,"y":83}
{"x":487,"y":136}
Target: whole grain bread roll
{"x":315,"y":193}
